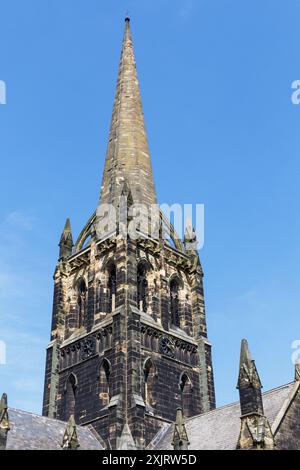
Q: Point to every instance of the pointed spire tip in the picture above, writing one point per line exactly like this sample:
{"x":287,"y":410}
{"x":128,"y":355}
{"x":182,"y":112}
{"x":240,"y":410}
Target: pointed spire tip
{"x":245,"y":351}
{"x":70,"y":438}
{"x":4,"y":399}
{"x":127,"y":156}
{"x":67,"y":227}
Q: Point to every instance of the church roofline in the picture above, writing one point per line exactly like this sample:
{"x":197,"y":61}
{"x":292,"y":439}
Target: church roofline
{"x":165,"y":432}
{"x":235,"y":403}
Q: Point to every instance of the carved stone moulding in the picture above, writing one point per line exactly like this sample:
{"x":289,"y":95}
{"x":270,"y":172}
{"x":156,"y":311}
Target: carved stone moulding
{"x":168,"y":345}
{"x":149,"y":245}
{"x":80,"y":261}
{"x":177,"y":260}
{"x":105,"y":246}
{"x":87,"y":345}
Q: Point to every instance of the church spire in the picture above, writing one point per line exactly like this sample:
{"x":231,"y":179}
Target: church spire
{"x":127,"y":156}
{"x":66,"y":241}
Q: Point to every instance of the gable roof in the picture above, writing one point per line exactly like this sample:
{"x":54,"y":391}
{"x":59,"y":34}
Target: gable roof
{"x":219,"y":429}
{"x":29,"y":431}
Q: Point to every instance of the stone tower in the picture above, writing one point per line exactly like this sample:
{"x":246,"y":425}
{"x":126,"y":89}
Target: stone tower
{"x":128,"y":339}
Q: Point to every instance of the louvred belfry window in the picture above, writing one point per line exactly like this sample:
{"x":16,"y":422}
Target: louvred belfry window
{"x":112,"y":288}
{"x":149,"y":377}
{"x":142,"y":286}
{"x":174,"y":301}
{"x":82,"y":302}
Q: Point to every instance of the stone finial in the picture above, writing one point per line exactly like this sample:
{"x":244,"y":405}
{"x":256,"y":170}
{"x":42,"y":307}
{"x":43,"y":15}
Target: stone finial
{"x":70,"y":439}
{"x":255,"y":430}
{"x":297,"y":371}
{"x":180,"y":437}
{"x":126,"y":441}
{"x":4,"y":421}
{"x":190,"y":238}
{"x":249,"y":383}
{"x":66,"y":241}
{"x":248,"y":374}
{"x":190,"y":234}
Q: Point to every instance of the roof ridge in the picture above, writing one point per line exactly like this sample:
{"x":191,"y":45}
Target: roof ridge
{"x":237,"y":402}
{"x":10,"y":408}
{"x":279,"y":387}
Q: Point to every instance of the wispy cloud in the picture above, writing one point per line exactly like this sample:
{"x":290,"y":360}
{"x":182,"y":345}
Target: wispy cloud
{"x":186,"y":10}
{"x":20,"y":220}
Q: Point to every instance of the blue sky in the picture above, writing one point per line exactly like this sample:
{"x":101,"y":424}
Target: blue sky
{"x":215,"y":78}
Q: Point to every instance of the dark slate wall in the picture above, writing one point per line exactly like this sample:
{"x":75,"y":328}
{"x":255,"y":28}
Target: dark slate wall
{"x":88,"y":404}
{"x":288,"y":434}
{"x":166,"y":390}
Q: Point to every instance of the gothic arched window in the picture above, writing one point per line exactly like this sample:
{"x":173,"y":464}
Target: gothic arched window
{"x":70,"y":390}
{"x":103,"y":381}
{"x":149,"y":381}
{"x":186,"y":388}
{"x":112,"y":287}
{"x":174,"y":302}
{"x":142,"y":286}
{"x":82,"y":302}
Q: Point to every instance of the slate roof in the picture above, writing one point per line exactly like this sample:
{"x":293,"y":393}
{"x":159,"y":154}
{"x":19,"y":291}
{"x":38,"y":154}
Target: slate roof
{"x":219,"y":429}
{"x":33,"y":432}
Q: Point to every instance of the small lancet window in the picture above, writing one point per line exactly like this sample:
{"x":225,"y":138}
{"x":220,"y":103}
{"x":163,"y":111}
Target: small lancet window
{"x":186,"y":388}
{"x":142,"y":286}
{"x":174,"y":302}
{"x":149,"y":381}
{"x":104,"y":392}
{"x":112,"y":288}
{"x":70,"y":390}
{"x":82,"y":302}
